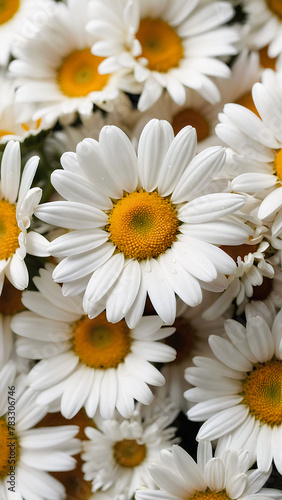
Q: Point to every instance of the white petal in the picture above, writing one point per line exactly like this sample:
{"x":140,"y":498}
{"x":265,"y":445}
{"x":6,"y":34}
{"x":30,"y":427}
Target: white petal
{"x":160,"y":292}
{"x":177,"y":158}
{"x":227,"y":353}
{"x":102,"y":280}
{"x":153,"y":145}
{"x":10,"y":171}
{"x":71,"y":215}
{"x":215,"y":474}
{"x":260,"y":339}
{"x":223,"y":422}
{"x":210,"y":207}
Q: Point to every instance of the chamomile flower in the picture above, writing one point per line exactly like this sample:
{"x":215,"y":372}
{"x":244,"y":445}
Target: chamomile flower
{"x":141,"y":225}
{"x":34,"y":452}
{"x":118,"y":452}
{"x":87,"y":362}
{"x":55,"y":68}
{"x":239,"y":394}
{"x":166,"y":44}
{"x":257,"y":145}
{"x":223,"y":477}
{"x":17,"y":203}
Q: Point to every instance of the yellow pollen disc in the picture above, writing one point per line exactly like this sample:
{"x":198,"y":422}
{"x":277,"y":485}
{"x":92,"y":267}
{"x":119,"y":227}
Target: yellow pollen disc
{"x":78,"y":74}
{"x":275,"y":6}
{"x":209,"y":495}
{"x":8,"y":9}
{"x":9,"y":449}
{"x":262,"y":390}
{"x":247,"y":101}
{"x":160,"y":43}
{"x":10,"y":299}
{"x":100,"y":344}
{"x":238,"y":251}
{"x":182,"y":340}
{"x":9,"y":230}
{"x":129,"y":453}
{"x":5,"y":132}
{"x":143,"y":225}
{"x":278,"y":164}
{"x":190,"y":116}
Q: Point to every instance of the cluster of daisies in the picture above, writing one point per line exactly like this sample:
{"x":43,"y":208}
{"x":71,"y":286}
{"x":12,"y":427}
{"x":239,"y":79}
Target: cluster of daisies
{"x":140,"y":250}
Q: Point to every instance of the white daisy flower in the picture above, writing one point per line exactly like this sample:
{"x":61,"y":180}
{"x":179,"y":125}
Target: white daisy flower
{"x":119,"y":451}
{"x":223,"y":477}
{"x":257,"y":146}
{"x":55,"y":67}
{"x":239,"y":394}
{"x":139,"y":225}
{"x":168,"y":45}
{"x":17,"y":203}
{"x":34,"y":451}
{"x":264,"y":25}
{"x":200,"y":114}
{"x":13,"y":14}
{"x":87,"y":362}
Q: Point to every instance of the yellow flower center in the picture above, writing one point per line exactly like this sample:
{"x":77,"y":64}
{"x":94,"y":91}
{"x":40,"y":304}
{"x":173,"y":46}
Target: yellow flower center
{"x":9,"y":449}
{"x":247,"y":101}
{"x":100,"y":344}
{"x":129,"y":453}
{"x":182,"y":340}
{"x":143,"y":225}
{"x":276,"y":7}
{"x":278,"y":164}
{"x":190,"y":116}
{"x":10,"y":299}
{"x":209,"y":495}
{"x":160,"y":43}
{"x":8,"y":8}
{"x":262,"y":390}
{"x":78,"y":75}
{"x":9,"y":230}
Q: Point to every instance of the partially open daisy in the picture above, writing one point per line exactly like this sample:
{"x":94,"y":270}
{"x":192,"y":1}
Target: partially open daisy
{"x":56,"y":69}
{"x":239,"y":394}
{"x":87,"y":362}
{"x":28,"y":454}
{"x":253,"y":269}
{"x":17,"y":203}
{"x":166,"y":44}
{"x":257,"y":143}
{"x":140,"y":225}
{"x":118,"y":452}
{"x":223,"y":477}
